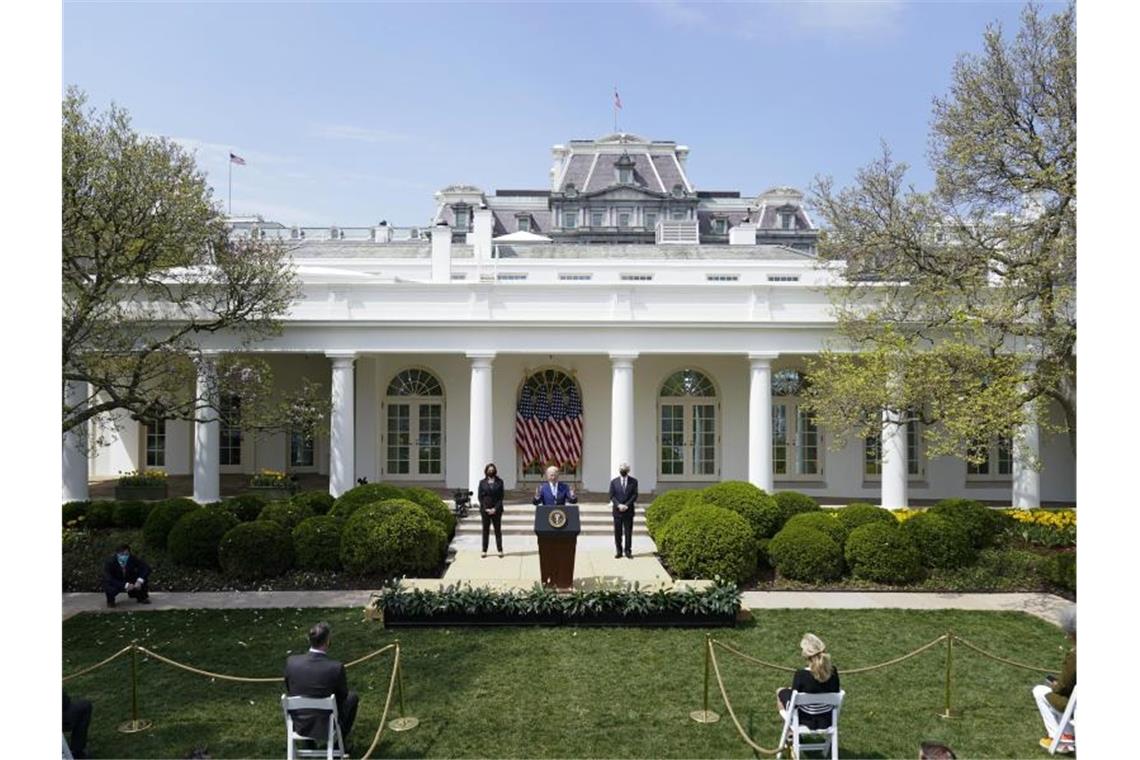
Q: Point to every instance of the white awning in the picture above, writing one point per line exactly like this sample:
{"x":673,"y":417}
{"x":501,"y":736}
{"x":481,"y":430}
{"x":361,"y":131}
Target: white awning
{"x":522,"y":236}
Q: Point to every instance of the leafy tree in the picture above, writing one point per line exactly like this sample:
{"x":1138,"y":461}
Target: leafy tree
{"x":149,"y":270}
{"x":959,"y":302}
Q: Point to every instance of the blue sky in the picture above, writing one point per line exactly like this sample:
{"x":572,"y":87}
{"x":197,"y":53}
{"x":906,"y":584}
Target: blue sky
{"x":352,"y":113}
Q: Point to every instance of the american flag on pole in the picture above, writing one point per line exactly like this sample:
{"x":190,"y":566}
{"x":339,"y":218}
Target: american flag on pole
{"x":617,"y":99}
{"x":236,"y":159}
{"x":548,"y":425}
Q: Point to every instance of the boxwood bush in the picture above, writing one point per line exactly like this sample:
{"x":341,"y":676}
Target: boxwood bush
{"x":794,"y":503}
{"x":162,"y":518}
{"x":861,"y":513}
{"x":131,"y":514}
{"x":287,"y":514}
{"x":369,"y":493}
{"x":391,"y":538}
{"x":665,"y":506}
{"x":882,"y":553}
{"x":979,"y":522}
{"x":819,"y":520}
{"x":74,"y":510}
{"x":316,"y":543}
{"x":194,"y":539}
{"x":1061,"y":570}
{"x":941,"y":542}
{"x":806,"y":554}
{"x":707,"y":541}
{"x":101,"y":514}
{"x":317,"y":500}
{"x":255,"y":550}
{"x":748,"y":501}
{"x":245,"y":507}
{"x":434,"y":507}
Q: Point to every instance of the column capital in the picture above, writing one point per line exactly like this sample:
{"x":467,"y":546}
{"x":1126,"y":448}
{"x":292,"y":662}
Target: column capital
{"x":762,"y":358}
{"x":341,"y":359}
{"x":623,"y":358}
{"x":481,"y":358}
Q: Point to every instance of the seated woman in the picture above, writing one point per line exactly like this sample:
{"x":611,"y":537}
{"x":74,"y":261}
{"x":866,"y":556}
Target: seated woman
{"x":818,"y":677}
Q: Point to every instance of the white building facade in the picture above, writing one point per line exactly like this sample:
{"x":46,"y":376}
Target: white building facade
{"x":682,"y":319}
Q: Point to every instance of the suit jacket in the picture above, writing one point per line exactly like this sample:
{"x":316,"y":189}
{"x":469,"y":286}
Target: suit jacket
{"x":315,"y":675}
{"x":116,"y":576}
{"x":627,"y":496}
{"x":561,"y":498}
{"x":491,"y":494}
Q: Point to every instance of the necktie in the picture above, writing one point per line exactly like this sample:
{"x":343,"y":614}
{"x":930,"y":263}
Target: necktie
{"x":623,"y":484}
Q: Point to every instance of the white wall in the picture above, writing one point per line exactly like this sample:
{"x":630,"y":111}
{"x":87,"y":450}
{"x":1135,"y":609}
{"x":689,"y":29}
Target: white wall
{"x":122,"y":452}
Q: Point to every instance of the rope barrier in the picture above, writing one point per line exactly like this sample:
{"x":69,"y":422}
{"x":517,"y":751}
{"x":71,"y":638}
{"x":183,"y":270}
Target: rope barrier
{"x":1014,"y":663}
{"x":852,"y":671}
{"x":732,"y":713}
{"x":387,"y":704}
{"x":98,"y":665}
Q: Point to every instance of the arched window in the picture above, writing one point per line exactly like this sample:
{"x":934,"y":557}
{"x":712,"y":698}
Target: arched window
{"x":797,"y":450}
{"x":687,"y":431}
{"x":413,"y":443}
{"x":549,"y":424}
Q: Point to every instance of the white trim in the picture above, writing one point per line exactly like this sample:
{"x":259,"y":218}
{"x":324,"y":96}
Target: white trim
{"x":681,"y":171}
{"x":656,"y":174}
{"x":589,"y":175}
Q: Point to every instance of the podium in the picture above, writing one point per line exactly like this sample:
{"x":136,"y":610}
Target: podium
{"x":557,"y":529}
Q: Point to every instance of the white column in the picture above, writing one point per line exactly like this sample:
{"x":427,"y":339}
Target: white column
{"x":760,"y":421}
{"x":207,"y":438}
{"x":1026,"y":463}
{"x":480,"y":445}
{"x":75,"y":447}
{"x":894,"y":484}
{"x":621,"y":412}
{"x":342,"y":433}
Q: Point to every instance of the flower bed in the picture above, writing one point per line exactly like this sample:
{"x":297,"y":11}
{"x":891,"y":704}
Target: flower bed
{"x":273,"y":485}
{"x":141,"y":485}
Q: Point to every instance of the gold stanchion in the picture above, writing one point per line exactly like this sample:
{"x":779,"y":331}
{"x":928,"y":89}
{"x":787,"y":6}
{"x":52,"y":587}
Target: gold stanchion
{"x":948,"y":713}
{"x":134,"y":725}
{"x":706,"y":715}
{"x":404,"y":722}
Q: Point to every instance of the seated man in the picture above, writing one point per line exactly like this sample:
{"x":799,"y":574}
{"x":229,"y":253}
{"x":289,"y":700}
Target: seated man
{"x":315,"y":674}
{"x":1053,"y":697}
{"x":76,"y":719}
{"x":125,"y":572}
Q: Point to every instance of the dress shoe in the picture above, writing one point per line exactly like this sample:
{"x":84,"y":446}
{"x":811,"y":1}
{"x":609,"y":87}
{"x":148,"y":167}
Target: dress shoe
{"x":500,"y":555}
{"x":617,"y":555}
{"x":629,"y":555}
{"x":484,"y":555}
{"x":110,"y":602}
{"x":144,"y":600}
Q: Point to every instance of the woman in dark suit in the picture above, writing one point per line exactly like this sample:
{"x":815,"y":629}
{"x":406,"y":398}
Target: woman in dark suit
{"x":491,"y":506}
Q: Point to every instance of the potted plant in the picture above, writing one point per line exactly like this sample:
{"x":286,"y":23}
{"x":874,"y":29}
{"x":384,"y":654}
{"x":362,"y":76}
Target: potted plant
{"x":273,"y":485}
{"x":141,"y":485}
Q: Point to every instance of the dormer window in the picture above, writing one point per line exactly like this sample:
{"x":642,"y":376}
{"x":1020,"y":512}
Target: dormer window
{"x":461,"y":217}
{"x":569,"y":218}
{"x":524,"y":224}
{"x":719,"y":226}
{"x":571,"y":191}
{"x":678,"y":191}
{"x":624,"y":166}
{"x":787,"y":220}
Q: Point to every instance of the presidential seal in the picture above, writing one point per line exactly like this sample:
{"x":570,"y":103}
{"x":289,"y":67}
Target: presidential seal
{"x":556,"y":518}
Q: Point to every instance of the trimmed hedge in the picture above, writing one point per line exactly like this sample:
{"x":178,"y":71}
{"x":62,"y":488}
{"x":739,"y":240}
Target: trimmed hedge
{"x":665,"y":506}
{"x":941,"y":542}
{"x":393,"y":537}
{"x":255,"y":550}
{"x":861,"y":513}
{"x":979,"y":521}
{"x":131,"y":514}
{"x":369,"y":493}
{"x":882,"y":553}
{"x":75,"y":511}
{"x":194,"y":539}
{"x":434,"y":507}
{"x":806,"y":554}
{"x":707,"y":541}
{"x":750,"y":502}
{"x":245,"y":507}
{"x":101,"y":514}
{"x":793,"y":503}
{"x":286,"y":514}
{"x":318,"y":501}
{"x":825,"y":522}
{"x":161,"y":519}
{"x":316,"y":543}
{"x":1062,"y":570}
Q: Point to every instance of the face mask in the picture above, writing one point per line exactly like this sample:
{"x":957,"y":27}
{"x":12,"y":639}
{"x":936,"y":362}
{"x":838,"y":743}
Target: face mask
{"x":491,"y":474}
{"x":122,"y":559}
{"x":624,"y":473}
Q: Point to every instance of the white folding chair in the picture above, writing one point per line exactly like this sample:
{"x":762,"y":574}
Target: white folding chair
{"x":1066,"y":724}
{"x":793,"y":731}
{"x":66,"y":749}
{"x":334,"y":742}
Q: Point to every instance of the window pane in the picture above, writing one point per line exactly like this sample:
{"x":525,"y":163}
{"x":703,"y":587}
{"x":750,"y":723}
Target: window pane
{"x":779,"y":439}
{"x":672,"y":426}
{"x":623,"y":220}
{"x":156,"y":444}
{"x":230,"y":431}
{"x":983,"y":464}
{"x":704,"y":439}
{"x":301,"y":448}
{"x":398,"y":451}
{"x":873,"y":455}
{"x":650,"y":219}
{"x":1004,"y":456}
{"x":913,"y":466}
{"x":597,"y":219}
{"x":807,"y":451}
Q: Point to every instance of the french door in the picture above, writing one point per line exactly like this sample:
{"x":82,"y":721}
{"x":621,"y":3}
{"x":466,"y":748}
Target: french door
{"x":687,"y":431}
{"x":414,"y":440}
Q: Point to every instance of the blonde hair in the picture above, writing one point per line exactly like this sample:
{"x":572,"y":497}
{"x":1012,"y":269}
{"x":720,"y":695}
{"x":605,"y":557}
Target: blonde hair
{"x":815,"y":652}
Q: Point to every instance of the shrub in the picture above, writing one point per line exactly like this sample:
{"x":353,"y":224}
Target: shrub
{"x":245,"y":507}
{"x":882,"y":553}
{"x":161,"y":519}
{"x":665,"y":506}
{"x":861,"y":513}
{"x":369,"y":493}
{"x":750,"y":502}
{"x":794,"y":503}
{"x":286,"y":514}
{"x":391,"y":538}
{"x":434,"y":507}
{"x":131,"y":514}
{"x":194,"y":539}
{"x":825,"y":522}
{"x":806,"y":554}
{"x":101,"y":514}
{"x":980,"y":523}
{"x":75,"y":511}
{"x":1061,"y":570}
{"x":707,"y":541}
{"x":316,"y":543}
{"x":318,"y":501}
{"x":941,"y":542}
{"x":255,"y":550}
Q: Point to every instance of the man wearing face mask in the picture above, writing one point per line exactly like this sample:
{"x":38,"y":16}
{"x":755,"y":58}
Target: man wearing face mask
{"x":125,"y":572}
{"x":623,"y":496}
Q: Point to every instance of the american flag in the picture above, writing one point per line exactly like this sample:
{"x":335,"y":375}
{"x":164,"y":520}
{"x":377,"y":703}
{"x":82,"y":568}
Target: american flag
{"x":548,"y":425}
{"x":236,"y":159}
{"x":617,"y":99}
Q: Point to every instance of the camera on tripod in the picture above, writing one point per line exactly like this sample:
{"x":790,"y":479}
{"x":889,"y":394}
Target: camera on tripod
{"x":462,"y":502}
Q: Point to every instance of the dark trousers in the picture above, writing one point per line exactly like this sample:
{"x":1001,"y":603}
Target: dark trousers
{"x":76,"y":719}
{"x":347,"y":716}
{"x":139,"y":593}
{"x":623,"y":524}
{"x":496,"y":520}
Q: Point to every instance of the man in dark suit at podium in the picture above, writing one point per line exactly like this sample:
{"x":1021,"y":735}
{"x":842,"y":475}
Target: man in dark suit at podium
{"x":552,"y":492}
{"x":623,"y":496}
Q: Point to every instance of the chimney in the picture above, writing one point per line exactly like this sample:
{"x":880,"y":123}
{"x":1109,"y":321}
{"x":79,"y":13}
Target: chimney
{"x":481,"y":234}
{"x":441,"y":253}
{"x":742,"y":234}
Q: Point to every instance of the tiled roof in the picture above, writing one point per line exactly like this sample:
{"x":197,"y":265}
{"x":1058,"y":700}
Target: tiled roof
{"x":667,"y":168}
{"x":576,"y":172}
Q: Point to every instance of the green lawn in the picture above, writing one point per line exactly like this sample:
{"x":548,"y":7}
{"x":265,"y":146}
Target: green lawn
{"x":563,"y":692}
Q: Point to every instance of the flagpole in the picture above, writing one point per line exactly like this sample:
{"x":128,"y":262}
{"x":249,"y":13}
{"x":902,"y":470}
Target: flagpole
{"x":230,"y":163}
{"x":615,"y":108}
